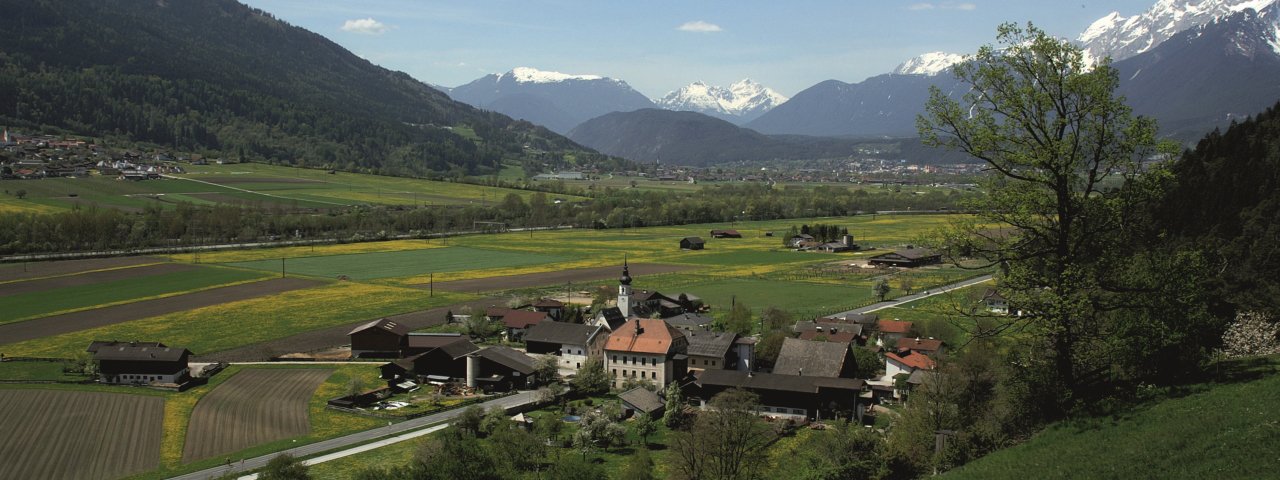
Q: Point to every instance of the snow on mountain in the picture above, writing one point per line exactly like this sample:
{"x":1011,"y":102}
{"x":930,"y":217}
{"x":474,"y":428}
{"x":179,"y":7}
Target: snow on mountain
{"x":740,"y":102}
{"x":1121,"y":37}
{"x":931,"y":63}
{"x":533,"y":75}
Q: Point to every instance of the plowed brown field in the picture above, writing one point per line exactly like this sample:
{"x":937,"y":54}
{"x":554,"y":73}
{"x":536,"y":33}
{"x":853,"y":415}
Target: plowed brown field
{"x":81,"y":435}
{"x":255,"y":406}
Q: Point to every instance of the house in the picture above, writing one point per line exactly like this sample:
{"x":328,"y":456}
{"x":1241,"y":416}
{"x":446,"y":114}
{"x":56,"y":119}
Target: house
{"x":895,"y":364}
{"x":909,"y":257}
{"x":641,"y":400}
{"x":997,"y":304}
{"x":795,"y":241}
{"x":829,"y":332}
{"x":424,"y":342}
{"x":608,"y":318}
{"x":711,"y":350}
{"x":785,"y":396}
{"x":844,"y":245}
{"x":692,"y":243}
{"x":689,"y":321}
{"x":140,"y":363}
{"x":445,"y":361}
{"x":645,"y":303}
{"x":382,"y":338}
{"x":867,"y":320}
{"x":517,"y":322}
{"x":499,"y":369}
{"x":926,"y":346}
{"x":553,"y":308}
{"x":891,"y":331}
{"x":648,"y":349}
{"x":725,"y":234}
{"x":816,"y":359}
{"x":573,"y":343}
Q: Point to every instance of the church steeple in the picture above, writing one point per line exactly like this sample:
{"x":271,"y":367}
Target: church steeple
{"x":624,"y":290}
{"x":626,"y":273}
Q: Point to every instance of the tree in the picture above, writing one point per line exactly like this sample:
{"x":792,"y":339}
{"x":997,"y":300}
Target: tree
{"x":572,"y":467}
{"x":598,"y":431}
{"x":775,"y":318}
{"x":21,"y":194}
{"x":739,"y":319}
{"x":881,"y":288}
{"x":477,"y":325}
{"x":591,"y":378}
{"x":638,"y":467}
{"x":470,"y":419}
{"x":769,"y":347}
{"x":1053,"y":133}
{"x":547,"y":369}
{"x":905,"y":284}
{"x":355,"y":386}
{"x":673,"y":414}
{"x":495,"y":420}
{"x":868,"y":363}
{"x":284,"y":467}
{"x":549,"y":427}
{"x":729,"y":440}
{"x":1251,"y":334}
{"x":645,"y":425}
{"x":846,"y":451}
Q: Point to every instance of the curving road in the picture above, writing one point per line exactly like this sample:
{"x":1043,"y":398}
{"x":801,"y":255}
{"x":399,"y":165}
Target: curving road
{"x":917,"y":296}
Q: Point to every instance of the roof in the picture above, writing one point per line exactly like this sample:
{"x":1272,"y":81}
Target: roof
{"x":613,"y":317}
{"x":141,"y":353}
{"x":851,"y":318}
{"x":992,"y":294}
{"x":560,"y":333}
{"x":508,"y":357}
{"x":906,"y":253}
{"x":656,"y":337}
{"x":383,"y":324}
{"x":643,"y":399}
{"x":98,"y":344}
{"x":498,"y":312}
{"x":458,"y":350}
{"x":548,"y":303}
{"x":710,"y":344}
{"x":693,"y":240}
{"x":689,"y":320}
{"x":434,"y":340}
{"x":809,"y":358}
{"x":827,"y":328}
{"x":804,"y":236}
{"x":775,"y":381}
{"x":921,"y":377}
{"x":523,"y":318}
{"x":844,"y":337}
{"x":893,"y":326}
{"x":912,"y":359}
{"x":646,"y":295}
{"x":733,"y":233}
{"x":919,"y":344}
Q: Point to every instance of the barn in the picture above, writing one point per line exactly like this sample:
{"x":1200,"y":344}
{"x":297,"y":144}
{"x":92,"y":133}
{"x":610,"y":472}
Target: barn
{"x":141,"y":364}
{"x":909,"y":257}
{"x":692,"y":243}
{"x":381,"y":338}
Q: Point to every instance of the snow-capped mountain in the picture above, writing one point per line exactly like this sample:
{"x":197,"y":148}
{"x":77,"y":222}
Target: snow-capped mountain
{"x":741,"y":102}
{"x":558,"y":101}
{"x":1121,"y":37}
{"x":931,"y":63}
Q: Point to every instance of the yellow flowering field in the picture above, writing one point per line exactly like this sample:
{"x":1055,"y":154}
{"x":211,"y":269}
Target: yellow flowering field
{"x":228,"y":256}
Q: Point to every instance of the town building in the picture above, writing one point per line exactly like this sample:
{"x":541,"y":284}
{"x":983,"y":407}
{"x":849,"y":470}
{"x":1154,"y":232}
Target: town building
{"x":785,"y":396}
{"x":646,"y":349}
{"x":816,"y":359}
{"x":573,"y":343}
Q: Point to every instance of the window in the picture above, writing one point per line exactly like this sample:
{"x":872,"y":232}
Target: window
{"x":579,"y":351}
{"x":615,"y":372}
{"x":713,"y":363}
{"x":797,"y":411}
{"x":579,"y":365}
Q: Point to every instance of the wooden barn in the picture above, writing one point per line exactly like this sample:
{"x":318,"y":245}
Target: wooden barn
{"x":692,"y":243}
{"x":725,"y":234}
{"x":381,"y":338}
{"x":140,"y":363}
{"x":909,"y":257}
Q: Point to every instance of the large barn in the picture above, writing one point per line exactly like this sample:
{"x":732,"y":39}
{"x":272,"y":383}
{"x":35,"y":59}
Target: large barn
{"x":909,"y":257}
{"x":140,"y":363}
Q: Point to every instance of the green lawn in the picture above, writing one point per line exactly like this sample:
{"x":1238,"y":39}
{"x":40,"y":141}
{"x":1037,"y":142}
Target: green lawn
{"x":35,"y":371}
{"x":1221,"y":430}
{"x":800,"y":298}
{"x":367,"y":266}
{"x":38,"y":304}
{"x":754,"y":257}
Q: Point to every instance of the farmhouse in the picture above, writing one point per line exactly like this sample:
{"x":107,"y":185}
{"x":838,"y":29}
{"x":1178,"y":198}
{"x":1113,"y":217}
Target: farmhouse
{"x":444,"y":361}
{"x":926,"y":346}
{"x":692,"y":243}
{"x":895,"y":364}
{"x":498,"y":369}
{"x":609,"y":318}
{"x":830,"y":332}
{"x":648,"y":349}
{"x":815,"y":359}
{"x":997,"y":304}
{"x":785,"y":396}
{"x":641,"y":400}
{"x":517,"y":322}
{"x":909,"y":257}
{"x":891,"y":331}
{"x":725,"y":234}
{"x":795,"y":241}
{"x":381,"y":338}
{"x":140,"y":363}
{"x":573,"y":343}
{"x":717,"y":350}
{"x":689,"y":321}
{"x":553,"y":308}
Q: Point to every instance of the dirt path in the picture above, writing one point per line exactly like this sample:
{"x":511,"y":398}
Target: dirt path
{"x":90,"y":278}
{"x":21,"y":271}
{"x":84,"y":320}
{"x":577,"y":275}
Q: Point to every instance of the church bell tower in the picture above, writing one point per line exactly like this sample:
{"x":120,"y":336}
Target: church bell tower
{"x":624,"y":291}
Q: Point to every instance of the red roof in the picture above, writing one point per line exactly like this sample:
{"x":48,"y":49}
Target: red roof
{"x":657,"y":337}
{"x":523,"y":318}
{"x":893,"y":326}
{"x":913,"y":360}
{"x":919,"y":344}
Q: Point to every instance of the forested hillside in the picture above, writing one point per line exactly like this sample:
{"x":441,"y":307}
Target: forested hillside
{"x":221,"y":77}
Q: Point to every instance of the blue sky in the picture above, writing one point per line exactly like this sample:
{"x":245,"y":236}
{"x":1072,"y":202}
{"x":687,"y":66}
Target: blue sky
{"x":658,"y":46}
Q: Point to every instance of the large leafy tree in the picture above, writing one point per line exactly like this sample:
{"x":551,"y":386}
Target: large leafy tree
{"x":1069,"y":182}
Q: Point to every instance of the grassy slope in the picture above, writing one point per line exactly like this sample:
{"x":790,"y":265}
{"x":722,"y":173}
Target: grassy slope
{"x":1220,"y":430}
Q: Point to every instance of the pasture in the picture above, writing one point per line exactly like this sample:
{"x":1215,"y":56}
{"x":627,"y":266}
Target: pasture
{"x":253,"y":407}
{"x":77,"y":434}
{"x":369,"y":266}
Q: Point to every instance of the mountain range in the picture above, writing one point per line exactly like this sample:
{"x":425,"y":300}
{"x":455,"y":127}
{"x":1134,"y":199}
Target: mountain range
{"x":738,"y":103}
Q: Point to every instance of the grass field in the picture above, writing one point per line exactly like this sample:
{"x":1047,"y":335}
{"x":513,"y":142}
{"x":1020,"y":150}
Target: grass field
{"x":62,"y":300}
{"x":253,"y":407}
{"x":369,"y":266}
{"x":81,"y":435}
{"x":36,"y":371}
{"x":1226,"y":429}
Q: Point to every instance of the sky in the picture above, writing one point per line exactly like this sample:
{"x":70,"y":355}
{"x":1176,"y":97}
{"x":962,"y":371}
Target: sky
{"x":660,"y":45}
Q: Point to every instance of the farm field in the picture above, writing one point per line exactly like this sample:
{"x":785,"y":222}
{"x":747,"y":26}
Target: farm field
{"x":53,"y":296}
{"x":801,"y":298}
{"x":253,"y":407}
{"x":11,"y":272}
{"x":89,"y":278}
{"x":370,"y":266}
{"x":81,"y":435}
{"x":579,"y":275}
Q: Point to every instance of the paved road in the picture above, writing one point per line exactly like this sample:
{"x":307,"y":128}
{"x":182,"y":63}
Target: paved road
{"x":917,"y":296}
{"x":519,"y":399}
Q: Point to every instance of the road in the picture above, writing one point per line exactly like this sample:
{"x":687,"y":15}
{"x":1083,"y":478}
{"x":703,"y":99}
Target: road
{"x":403,"y":431}
{"x":916,"y":296}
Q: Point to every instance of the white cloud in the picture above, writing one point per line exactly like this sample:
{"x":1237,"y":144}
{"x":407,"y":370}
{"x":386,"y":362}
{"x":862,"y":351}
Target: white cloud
{"x":943,"y":6}
{"x":700,"y":27}
{"x":365,"y":26}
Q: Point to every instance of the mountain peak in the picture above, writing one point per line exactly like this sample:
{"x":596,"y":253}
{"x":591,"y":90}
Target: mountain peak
{"x":741,"y":101}
{"x":931,"y":63}
{"x":1120,"y":37}
{"x":533,"y":75}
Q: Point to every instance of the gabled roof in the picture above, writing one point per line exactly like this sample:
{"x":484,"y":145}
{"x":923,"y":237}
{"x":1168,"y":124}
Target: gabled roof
{"x":922,"y":376}
{"x":775,"y":381}
{"x":523,"y":318}
{"x":689,"y":321}
{"x":642,"y":399}
{"x":548,"y":303}
{"x":808,"y":358}
{"x":456,"y":350}
{"x":993,"y":294}
{"x":710,"y":344}
{"x":693,"y":239}
{"x":861,"y":318}
{"x":912,"y":359}
{"x":919,"y":344}
{"x":384,"y":325}
{"x":613,"y":317}
{"x":657,"y":337}
{"x":434,"y":340}
{"x":141,"y":354}
{"x":843,"y":337}
{"x":498,"y":312}
{"x":893,"y":326}
{"x":827,"y":328}
{"x":561,"y":333}
{"x":508,"y":357}
{"x":906,"y":253}
{"x":95,"y":345}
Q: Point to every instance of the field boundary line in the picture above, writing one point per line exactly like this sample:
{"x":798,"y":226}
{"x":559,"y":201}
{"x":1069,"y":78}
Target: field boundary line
{"x":136,"y":300}
{"x":108,"y":269}
{"x":282,"y":197}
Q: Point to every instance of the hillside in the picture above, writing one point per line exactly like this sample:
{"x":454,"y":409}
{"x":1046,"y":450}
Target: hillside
{"x":220,"y":77}
{"x":555,"y":100}
{"x":1225,"y":429}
